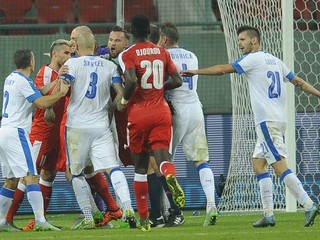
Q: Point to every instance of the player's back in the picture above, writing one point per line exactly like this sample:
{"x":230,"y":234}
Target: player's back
{"x":184,"y":60}
{"x":90,"y":91}
{"x":19,"y":93}
{"x":152,"y":64}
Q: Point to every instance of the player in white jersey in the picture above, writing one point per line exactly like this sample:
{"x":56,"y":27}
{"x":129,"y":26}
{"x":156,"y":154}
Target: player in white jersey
{"x":266,"y":75}
{"x":88,"y":132}
{"x":16,"y":153}
{"x":188,"y":120}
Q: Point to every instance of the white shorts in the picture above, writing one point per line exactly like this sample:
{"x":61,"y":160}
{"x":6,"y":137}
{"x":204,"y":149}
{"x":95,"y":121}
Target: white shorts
{"x":90,"y":147}
{"x":16,"y":153}
{"x":189,"y":130}
{"x":270,"y":144}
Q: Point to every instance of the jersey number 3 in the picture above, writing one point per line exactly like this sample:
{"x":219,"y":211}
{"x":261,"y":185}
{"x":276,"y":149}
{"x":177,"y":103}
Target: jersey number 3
{"x":154,"y":68}
{"x":92,"y":89}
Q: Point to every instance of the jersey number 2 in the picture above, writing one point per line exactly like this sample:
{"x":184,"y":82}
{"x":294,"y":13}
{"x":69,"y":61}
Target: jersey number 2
{"x":156,"y":69}
{"x":6,"y":96}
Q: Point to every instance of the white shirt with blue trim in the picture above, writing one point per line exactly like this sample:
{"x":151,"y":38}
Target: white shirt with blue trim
{"x":91,"y":78}
{"x":184,"y":60}
{"x":266,"y":75}
{"x":19,"y":92}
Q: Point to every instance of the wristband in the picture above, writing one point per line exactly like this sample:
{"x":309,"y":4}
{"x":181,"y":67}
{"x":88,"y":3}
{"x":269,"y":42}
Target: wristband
{"x":123,"y":101}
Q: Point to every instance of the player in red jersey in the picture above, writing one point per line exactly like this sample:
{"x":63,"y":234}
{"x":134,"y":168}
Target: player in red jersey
{"x":145,"y":68}
{"x":47,"y":138}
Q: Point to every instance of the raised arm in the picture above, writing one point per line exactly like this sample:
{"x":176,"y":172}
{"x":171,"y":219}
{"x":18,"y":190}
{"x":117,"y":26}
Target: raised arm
{"x":298,"y":82}
{"x":214,"y":70}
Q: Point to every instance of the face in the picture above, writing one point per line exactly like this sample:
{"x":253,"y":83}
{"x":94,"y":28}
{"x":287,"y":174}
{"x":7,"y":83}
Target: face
{"x":61,"y":54}
{"x":73,"y":39}
{"x":246,"y":43}
{"x":117,"y":43}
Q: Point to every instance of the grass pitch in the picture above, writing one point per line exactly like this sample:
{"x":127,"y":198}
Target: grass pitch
{"x":229,"y":226}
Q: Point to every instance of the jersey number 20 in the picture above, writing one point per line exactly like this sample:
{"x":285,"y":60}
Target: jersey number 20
{"x":154,"y":68}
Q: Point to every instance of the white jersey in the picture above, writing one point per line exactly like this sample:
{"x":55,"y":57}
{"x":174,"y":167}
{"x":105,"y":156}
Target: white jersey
{"x":187,"y":93}
{"x":266,"y":75}
{"x":92,"y":77}
{"x":19,"y":93}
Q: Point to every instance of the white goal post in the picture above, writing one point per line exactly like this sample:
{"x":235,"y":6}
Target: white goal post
{"x":289,"y":35}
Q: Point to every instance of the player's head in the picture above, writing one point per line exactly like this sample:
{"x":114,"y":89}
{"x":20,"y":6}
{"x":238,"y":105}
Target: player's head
{"x":118,"y":41}
{"x":140,"y":26}
{"x":169,"y":35}
{"x":24,"y":59}
{"x":154,"y":34}
{"x":75,"y":34}
{"x":86,"y":44}
{"x":248,"y":39}
{"x":60,"y":51}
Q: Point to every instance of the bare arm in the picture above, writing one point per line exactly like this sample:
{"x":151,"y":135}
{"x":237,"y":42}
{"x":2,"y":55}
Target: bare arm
{"x":48,"y":100}
{"x":45,"y":89}
{"x":174,"y":81}
{"x":298,"y":82}
{"x":130,"y":84}
{"x":214,"y":70}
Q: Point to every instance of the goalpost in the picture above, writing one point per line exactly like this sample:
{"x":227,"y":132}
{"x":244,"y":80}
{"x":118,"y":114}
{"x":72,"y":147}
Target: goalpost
{"x":287,"y":38}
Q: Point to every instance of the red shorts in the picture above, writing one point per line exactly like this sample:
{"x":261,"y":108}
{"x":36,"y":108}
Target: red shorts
{"x":150,"y":132}
{"x":52,"y":153}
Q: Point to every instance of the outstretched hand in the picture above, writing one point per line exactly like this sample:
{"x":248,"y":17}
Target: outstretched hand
{"x":187,"y":73}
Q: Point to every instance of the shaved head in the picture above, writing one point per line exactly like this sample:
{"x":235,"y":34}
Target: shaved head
{"x":86,"y":41}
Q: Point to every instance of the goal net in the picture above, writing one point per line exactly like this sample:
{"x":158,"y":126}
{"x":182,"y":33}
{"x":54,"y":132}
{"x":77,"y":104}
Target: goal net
{"x":241,"y":192}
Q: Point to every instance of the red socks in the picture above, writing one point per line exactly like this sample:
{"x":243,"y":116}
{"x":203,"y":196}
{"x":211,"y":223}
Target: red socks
{"x":167,"y":168}
{"x":100,"y":185}
{"x":140,"y":187}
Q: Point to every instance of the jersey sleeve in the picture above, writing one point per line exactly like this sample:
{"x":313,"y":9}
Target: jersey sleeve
{"x":29,"y":90}
{"x":287,"y":73}
{"x":116,"y":78}
{"x":243,"y":64}
{"x":126,"y":61}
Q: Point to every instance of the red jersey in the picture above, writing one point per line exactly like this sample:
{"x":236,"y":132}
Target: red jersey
{"x":40,"y":129}
{"x":152,"y":64}
{"x":52,"y":155}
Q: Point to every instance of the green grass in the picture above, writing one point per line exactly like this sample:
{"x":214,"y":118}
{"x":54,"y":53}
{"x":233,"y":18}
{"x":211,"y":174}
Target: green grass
{"x":229,"y":226}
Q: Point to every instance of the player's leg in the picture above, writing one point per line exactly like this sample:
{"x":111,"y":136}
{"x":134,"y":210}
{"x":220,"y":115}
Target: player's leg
{"x":6,"y":196}
{"x":78,"y":142}
{"x":17,"y":200}
{"x":104,"y":157}
{"x":154,"y":191}
{"x":189,"y":128}
{"x":160,"y":140}
{"x":295,"y":187}
{"x":140,"y":186}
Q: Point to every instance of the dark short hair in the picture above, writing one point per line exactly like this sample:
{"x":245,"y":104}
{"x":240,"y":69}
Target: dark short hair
{"x":252,"y":31}
{"x":154,"y":33}
{"x":140,"y":26}
{"x":170,"y":31}
{"x":121,"y":29}
{"x":22,"y":58}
